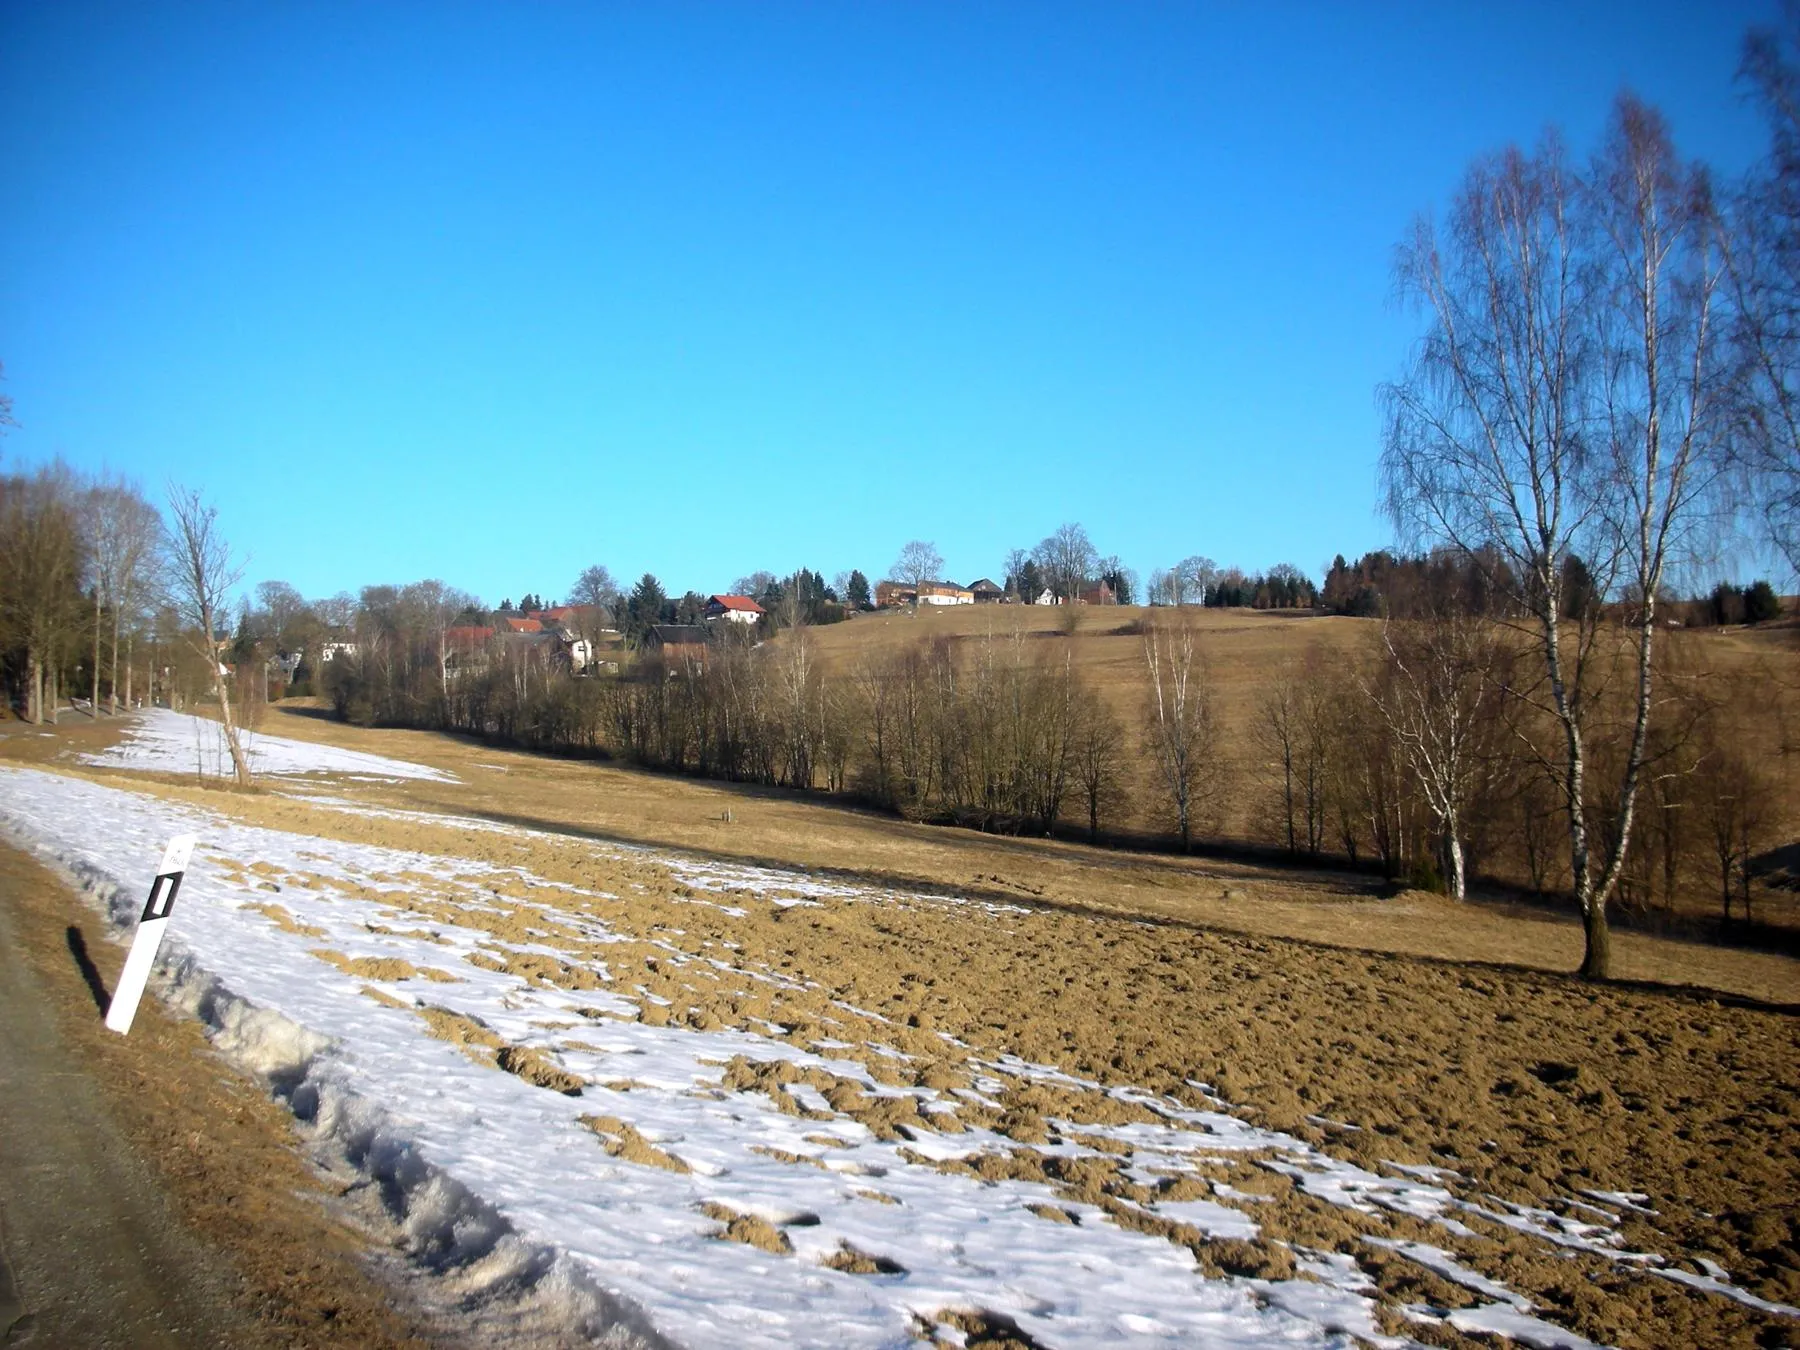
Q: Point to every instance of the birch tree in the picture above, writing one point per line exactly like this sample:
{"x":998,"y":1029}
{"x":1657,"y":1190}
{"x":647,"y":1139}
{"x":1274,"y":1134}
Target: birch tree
{"x":201,"y":570}
{"x":1438,"y":704}
{"x":124,"y":529}
{"x":1764,"y":272}
{"x":1180,"y":729}
{"x":1562,"y":403}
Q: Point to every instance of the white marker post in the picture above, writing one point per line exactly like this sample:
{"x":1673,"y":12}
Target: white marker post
{"x":144,"y":946}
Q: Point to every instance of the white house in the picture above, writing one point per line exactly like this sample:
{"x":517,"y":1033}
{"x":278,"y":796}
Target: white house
{"x":732,"y":609}
{"x":944,"y":593}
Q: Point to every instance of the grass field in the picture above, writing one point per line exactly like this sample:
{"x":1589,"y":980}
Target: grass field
{"x":1447,"y":1036}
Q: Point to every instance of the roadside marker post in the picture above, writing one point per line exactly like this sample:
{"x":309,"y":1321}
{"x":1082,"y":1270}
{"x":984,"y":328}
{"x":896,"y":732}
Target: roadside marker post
{"x":142,"y":958}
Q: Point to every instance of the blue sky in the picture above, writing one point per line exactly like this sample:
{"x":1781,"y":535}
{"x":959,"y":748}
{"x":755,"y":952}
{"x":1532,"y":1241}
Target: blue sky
{"x":491,"y":293}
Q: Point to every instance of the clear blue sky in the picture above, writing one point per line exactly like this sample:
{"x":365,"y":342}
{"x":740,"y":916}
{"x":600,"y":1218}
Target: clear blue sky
{"x":490,"y":293}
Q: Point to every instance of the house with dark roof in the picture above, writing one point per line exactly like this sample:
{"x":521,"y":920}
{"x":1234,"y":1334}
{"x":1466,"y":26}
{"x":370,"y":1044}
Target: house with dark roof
{"x":986,"y":592}
{"x":678,"y":644}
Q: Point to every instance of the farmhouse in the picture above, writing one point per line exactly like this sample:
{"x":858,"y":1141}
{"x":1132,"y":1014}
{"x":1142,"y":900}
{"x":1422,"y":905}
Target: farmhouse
{"x":986,"y":592}
{"x":732,"y":609}
{"x":944,"y":593}
{"x":1098,"y":593}
{"x":892,"y":594}
{"x":678,"y":644}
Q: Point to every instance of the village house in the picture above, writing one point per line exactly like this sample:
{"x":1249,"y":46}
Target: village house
{"x":678,"y":644}
{"x":986,"y":592}
{"x":893,"y":594}
{"x":1096,"y":593}
{"x":944,"y":593}
{"x":466,"y":649}
{"x":732,"y":609}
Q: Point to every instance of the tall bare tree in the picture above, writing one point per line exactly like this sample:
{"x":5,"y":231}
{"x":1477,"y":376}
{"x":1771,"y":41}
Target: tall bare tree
{"x":918,"y":563}
{"x":1562,"y":403}
{"x":124,"y":529}
{"x":1067,"y":559}
{"x":43,"y":561}
{"x":1180,"y":728}
{"x":1764,"y":245}
{"x":202,"y":570}
{"x":1438,"y":703}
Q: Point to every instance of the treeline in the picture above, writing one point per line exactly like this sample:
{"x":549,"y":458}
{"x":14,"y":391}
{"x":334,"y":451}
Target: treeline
{"x":92,"y":605}
{"x":1200,"y":581}
{"x":1420,"y":752}
{"x":1480,"y":581}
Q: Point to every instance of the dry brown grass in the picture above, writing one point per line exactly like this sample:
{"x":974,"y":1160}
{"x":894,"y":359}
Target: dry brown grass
{"x":1449,"y":1034}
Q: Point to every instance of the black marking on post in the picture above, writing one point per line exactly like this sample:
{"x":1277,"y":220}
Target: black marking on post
{"x":162,"y":896}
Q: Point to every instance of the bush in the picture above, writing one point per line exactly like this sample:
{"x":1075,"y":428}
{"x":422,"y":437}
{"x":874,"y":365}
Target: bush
{"x":1424,"y":875}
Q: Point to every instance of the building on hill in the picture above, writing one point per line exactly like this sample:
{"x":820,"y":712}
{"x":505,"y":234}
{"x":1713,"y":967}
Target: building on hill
{"x":511,"y":625}
{"x":1097,"y":593}
{"x":893,"y":594}
{"x":944,"y":593}
{"x":678,"y":644}
{"x":732,"y":609}
{"x":986,"y":592}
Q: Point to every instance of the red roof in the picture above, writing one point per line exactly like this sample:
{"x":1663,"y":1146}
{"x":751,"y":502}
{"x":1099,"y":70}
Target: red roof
{"x":467,"y":636}
{"x":742,"y":603}
{"x":524,"y":625}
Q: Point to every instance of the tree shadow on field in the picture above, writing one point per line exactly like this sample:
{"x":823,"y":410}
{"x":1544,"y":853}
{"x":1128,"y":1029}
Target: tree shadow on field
{"x":90,"y":973}
{"x":317,"y":714}
{"x":1567,"y":981}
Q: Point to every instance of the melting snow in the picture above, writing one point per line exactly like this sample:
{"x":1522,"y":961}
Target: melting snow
{"x":170,"y":742}
{"x":469,"y":1149}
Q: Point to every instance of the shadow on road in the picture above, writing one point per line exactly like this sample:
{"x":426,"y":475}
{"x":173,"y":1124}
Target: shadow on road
{"x":89,"y":971}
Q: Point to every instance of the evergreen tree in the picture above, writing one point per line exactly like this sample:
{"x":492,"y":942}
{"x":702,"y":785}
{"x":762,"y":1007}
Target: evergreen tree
{"x":645,"y":608}
{"x":1761,"y":603}
{"x":858,"y":591}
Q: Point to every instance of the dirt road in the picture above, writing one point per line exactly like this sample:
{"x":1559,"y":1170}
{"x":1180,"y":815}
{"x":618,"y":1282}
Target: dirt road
{"x":148,"y":1197}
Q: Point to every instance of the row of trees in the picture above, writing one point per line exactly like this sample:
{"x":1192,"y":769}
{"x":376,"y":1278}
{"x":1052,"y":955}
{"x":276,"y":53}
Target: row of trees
{"x":90,"y":571}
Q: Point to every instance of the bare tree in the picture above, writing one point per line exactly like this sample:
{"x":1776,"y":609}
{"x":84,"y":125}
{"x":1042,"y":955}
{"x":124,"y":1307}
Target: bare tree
{"x":124,"y":529}
{"x":1068,"y":559}
{"x":1764,"y":269}
{"x":1193,"y":575}
{"x":918,"y":563}
{"x":42,"y":564}
{"x":1561,"y":404}
{"x":1099,"y":745}
{"x":1438,"y":703}
{"x":1293,"y":726}
{"x":202,"y":570}
{"x":1180,"y":732}
{"x":337,"y":612}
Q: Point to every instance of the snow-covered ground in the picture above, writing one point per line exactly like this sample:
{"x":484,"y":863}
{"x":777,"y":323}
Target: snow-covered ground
{"x":615,"y":1201}
{"x":172,"y":742}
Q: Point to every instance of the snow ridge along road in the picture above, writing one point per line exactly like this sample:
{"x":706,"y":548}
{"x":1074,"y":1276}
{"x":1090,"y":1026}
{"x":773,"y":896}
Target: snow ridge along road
{"x":506,"y":1062}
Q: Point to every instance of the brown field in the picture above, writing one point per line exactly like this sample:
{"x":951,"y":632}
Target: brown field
{"x":1450,"y":1034}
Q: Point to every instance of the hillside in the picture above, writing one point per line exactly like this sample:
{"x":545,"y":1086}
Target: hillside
{"x":1752,"y":671}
